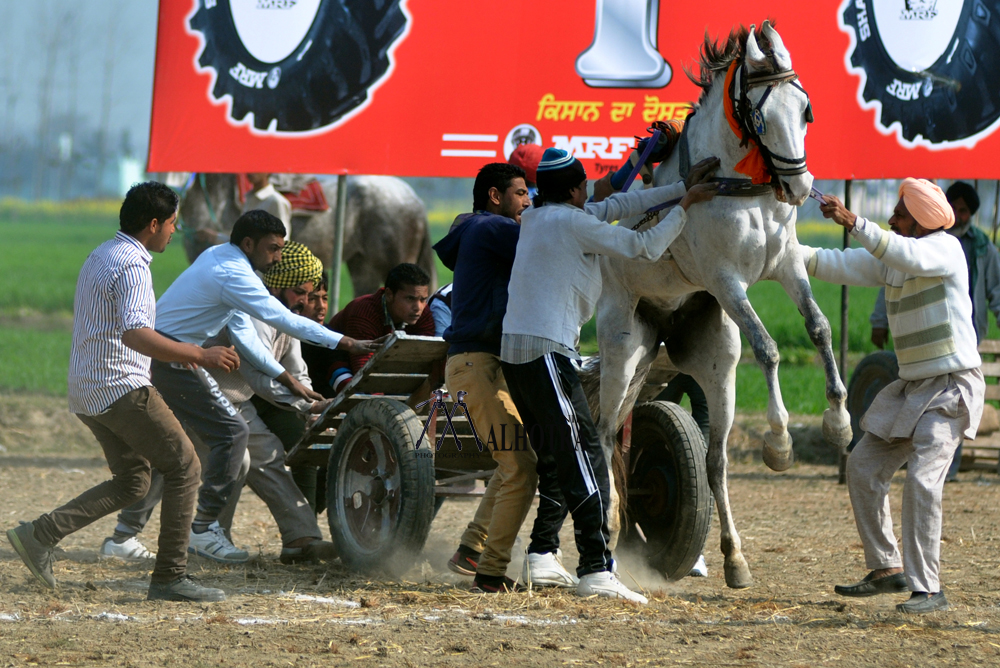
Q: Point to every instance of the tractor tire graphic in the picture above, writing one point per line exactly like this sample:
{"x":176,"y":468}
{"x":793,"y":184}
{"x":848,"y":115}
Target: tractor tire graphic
{"x":941,"y":91}
{"x":296,"y":65}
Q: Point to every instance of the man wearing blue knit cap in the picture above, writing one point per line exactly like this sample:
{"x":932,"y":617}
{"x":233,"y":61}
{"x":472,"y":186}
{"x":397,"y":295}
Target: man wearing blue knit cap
{"x":554,"y":286}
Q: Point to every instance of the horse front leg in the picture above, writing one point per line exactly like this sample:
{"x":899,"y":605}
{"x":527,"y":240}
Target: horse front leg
{"x":709,"y":351}
{"x":732,"y":296}
{"x":836,"y":420}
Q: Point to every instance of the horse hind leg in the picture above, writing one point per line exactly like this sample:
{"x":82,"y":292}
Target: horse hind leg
{"x":836,"y":420}
{"x":709,"y":352}
{"x":625,"y":341}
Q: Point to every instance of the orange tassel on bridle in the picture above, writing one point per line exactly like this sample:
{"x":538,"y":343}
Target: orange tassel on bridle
{"x":753,"y":164}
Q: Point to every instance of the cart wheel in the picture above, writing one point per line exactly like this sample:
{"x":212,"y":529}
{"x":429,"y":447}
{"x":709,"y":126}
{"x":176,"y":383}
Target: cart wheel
{"x":380,"y":488}
{"x":872,"y":374}
{"x":668,"y":493}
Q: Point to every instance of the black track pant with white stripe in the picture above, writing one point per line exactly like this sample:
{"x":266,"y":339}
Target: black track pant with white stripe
{"x":572,"y":472}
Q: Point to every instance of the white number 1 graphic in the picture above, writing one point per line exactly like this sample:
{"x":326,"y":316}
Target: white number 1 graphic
{"x":623,"y":54}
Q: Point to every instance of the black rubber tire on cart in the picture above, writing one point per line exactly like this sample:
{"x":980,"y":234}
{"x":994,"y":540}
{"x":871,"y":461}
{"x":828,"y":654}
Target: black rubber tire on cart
{"x":669,"y":496}
{"x":872,"y":374}
{"x":380,"y":488}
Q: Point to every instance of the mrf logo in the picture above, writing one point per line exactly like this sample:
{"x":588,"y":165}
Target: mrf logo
{"x":919,"y":10}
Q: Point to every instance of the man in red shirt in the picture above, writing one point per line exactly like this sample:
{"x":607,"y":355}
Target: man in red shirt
{"x":401,"y":306}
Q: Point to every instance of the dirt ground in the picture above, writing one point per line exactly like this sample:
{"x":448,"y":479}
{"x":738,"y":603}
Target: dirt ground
{"x":797,"y":530}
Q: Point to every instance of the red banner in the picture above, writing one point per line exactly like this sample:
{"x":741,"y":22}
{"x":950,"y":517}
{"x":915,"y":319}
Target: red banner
{"x":440,"y":87}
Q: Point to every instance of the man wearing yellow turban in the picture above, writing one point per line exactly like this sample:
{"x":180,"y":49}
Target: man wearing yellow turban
{"x":921,"y":418}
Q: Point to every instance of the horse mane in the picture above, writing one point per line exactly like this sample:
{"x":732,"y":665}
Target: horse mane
{"x":715,"y":57}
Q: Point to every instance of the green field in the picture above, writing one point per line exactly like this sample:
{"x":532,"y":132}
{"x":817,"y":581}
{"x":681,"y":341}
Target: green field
{"x":44,"y":247}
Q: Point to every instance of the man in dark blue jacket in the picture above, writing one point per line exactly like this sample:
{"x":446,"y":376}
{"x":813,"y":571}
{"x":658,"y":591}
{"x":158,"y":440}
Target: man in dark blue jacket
{"x":480,"y":250}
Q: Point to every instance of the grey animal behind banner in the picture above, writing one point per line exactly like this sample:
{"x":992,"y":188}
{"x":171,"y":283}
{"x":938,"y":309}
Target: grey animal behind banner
{"x":386,"y":225}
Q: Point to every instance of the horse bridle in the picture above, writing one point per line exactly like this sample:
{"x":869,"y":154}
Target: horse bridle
{"x":745,"y":116}
{"x":751,"y":118}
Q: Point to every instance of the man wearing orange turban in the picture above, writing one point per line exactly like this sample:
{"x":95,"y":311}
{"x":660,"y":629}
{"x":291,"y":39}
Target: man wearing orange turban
{"x":921,"y":418}
{"x":983,"y":261}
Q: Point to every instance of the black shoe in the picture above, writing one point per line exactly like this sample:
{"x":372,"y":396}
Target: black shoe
{"x":184,"y":588}
{"x":921,"y":603}
{"x":489,"y":584}
{"x":887,"y":584}
{"x":37,"y":557}
{"x":312,"y":553}
{"x":465,"y":561}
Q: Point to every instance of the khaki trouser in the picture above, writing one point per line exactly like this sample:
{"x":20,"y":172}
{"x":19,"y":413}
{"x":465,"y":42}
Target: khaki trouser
{"x":512,"y":488}
{"x":137,"y":431}
{"x":870,"y":468}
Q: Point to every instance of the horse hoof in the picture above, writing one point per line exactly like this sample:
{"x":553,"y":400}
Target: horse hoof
{"x":837,"y":428}
{"x":737,"y":573}
{"x":777,"y":452}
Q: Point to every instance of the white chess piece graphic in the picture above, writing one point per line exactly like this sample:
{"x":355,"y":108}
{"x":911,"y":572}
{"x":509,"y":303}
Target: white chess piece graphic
{"x":623,"y":54}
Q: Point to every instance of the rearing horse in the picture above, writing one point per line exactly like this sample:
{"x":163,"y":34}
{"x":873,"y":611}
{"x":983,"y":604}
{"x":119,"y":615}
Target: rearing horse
{"x":752,"y":102}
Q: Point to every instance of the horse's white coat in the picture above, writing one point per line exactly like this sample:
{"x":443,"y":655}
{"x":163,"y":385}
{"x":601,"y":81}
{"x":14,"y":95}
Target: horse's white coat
{"x":727,"y":245}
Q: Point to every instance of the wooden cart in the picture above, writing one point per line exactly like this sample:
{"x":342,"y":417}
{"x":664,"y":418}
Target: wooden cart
{"x":385,"y":476}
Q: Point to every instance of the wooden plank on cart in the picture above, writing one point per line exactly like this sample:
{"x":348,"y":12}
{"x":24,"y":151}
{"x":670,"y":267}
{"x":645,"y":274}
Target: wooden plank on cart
{"x":403,"y":368}
{"x":391,"y":383}
{"x":982,"y":453}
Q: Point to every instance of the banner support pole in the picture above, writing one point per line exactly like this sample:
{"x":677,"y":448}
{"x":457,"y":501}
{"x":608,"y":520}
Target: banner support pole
{"x":844,"y":296}
{"x":842,"y":473}
{"x":996,"y":211}
{"x":338,"y":242}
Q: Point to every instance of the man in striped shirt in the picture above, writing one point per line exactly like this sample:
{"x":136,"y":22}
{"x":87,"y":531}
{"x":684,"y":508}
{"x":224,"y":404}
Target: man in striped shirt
{"x":921,"y":418}
{"x":221,"y":290}
{"x":110,"y":390}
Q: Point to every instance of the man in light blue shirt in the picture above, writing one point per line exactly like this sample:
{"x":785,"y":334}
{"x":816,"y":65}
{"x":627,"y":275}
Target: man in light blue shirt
{"x":220,"y":290}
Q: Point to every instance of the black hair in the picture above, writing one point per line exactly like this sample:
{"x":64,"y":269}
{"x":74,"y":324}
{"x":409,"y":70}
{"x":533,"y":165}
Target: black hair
{"x":494,"y":175}
{"x":554,"y":185}
{"x":962,"y":190}
{"x":323,"y":283}
{"x":406,"y":274}
{"x":145,"y":202}
{"x":256,"y":225}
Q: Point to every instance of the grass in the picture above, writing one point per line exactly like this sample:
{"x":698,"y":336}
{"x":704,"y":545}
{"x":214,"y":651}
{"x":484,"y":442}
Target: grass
{"x":45,"y":245}
{"x":34,"y":361}
{"x":43,"y":254}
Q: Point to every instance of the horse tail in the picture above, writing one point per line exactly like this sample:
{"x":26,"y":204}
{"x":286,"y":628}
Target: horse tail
{"x":590,"y":379}
{"x":425,"y":260}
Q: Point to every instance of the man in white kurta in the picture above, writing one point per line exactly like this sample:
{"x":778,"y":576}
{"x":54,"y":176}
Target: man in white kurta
{"x":921,"y":418}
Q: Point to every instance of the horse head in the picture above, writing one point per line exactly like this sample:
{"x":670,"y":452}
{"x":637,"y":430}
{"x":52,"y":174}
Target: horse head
{"x":775,"y":111}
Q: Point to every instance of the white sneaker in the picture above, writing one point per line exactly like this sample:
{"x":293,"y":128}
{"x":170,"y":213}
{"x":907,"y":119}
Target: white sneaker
{"x":214,"y":545}
{"x":606,"y":584}
{"x":546,"y":570}
{"x":700,"y":568}
{"x":130,"y":550}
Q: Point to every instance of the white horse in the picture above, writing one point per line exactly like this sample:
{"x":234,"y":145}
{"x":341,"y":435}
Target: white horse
{"x":727,"y":245}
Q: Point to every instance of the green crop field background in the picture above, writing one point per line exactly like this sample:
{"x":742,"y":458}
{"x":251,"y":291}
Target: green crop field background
{"x":44,"y":247}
